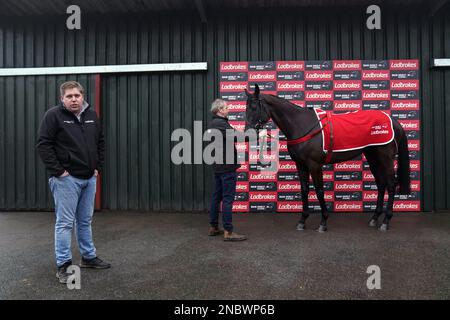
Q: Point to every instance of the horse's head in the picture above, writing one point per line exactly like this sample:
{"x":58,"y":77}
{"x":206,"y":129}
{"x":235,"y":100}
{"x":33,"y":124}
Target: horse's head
{"x":256,"y":113}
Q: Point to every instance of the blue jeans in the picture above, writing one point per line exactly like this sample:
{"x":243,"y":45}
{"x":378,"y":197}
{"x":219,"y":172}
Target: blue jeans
{"x":224,"y":191}
{"x":74,"y":208}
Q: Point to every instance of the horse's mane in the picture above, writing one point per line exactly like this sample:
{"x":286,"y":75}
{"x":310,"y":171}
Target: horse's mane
{"x":287,"y":102}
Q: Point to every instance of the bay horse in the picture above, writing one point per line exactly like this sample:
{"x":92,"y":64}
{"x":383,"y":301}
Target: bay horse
{"x":302,"y":127}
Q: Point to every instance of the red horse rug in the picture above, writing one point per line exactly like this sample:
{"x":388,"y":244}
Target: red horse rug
{"x":354,"y":130}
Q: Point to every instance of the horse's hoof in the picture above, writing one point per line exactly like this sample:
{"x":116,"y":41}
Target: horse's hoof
{"x":373,"y":223}
{"x":322,"y":229}
{"x":301,"y":227}
{"x":384,"y":227}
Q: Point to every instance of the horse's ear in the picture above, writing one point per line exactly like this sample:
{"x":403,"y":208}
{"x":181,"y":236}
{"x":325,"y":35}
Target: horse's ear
{"x":256,"y":90}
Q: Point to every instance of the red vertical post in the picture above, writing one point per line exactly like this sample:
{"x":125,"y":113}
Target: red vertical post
{"x":98,"y":110}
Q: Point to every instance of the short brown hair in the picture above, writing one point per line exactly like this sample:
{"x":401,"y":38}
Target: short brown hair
{"x":70,"y":85}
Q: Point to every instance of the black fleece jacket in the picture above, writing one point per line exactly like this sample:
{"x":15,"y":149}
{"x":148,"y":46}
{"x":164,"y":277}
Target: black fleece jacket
{"x":65,"y":143}
{"x":222,"y":124}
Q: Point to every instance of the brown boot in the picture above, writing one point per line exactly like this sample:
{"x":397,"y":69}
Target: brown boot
{"x":214,"y":231}
{"x":233,"y":236}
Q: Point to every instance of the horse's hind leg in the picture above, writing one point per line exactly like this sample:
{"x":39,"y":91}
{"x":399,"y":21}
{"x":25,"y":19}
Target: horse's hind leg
{"x":303,"y":173}
{"x":384,"y":158}
{"x":390,"y":180}
{"x":375,"y":168}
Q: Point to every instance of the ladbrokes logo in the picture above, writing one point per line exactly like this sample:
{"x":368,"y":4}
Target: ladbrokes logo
{"x":348,"y":166}
{"x":242,"y":187}
{"x":415,"y":186}
{"x":318,"y":75}
{"x":405,"y":105}
{"x":410,"y":124}
{"x":376,"y":95}
{"x":407,"y":206}
{"x":236,"y":106}
{"x":233,"y":86}
{"x":348,"y":206}
{"x":289,"y":186}
{"x":348,"y":186}
{"x":240,"y":206}
{"x":266,"y":176}
{"x":347,"y":65}
{"x":373,"y":196}
{"x":368,"y":176}
{"x":268,"y":75}
{"x":403,"y":84}
{"x":348,"y":105}
{"x":263,"y":196}
{"x":414,"y":145}
{"x":414,"y":165}
{"x":287,"y":166}
{"x":375,"y":75}
{"x":328,"y":196}
{"x":343,"y":85}
{"x":233,"y":66}
{"x":404,"y":64}
{"x":290,"y":65}
{"x":289,"y":206}
{"x":290,"y":85}
{"x":319,"y":95}
{"x":266,"y":157}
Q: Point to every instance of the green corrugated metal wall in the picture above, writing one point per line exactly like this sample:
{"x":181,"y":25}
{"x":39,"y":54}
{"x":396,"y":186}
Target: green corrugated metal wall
{"x":141,"y":110}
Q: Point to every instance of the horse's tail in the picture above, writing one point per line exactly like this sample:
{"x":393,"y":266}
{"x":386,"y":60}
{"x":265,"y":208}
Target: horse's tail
{"x":403,"y":162}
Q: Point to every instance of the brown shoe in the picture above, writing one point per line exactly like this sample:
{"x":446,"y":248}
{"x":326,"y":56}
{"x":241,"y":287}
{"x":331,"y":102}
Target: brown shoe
{"x":233,"y":236}
{"x":214,"y":231}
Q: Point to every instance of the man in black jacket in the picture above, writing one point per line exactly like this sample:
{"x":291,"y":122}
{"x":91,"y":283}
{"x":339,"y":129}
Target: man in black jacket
{"x":71,"y":145}
{"x":224,"y":174}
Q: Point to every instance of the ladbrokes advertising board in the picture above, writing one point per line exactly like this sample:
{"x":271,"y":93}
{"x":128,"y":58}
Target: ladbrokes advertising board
{"x":340,"y":86}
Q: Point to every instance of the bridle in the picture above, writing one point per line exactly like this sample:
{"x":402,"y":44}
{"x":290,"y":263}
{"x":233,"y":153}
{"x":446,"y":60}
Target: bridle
{"x":260,"y":123}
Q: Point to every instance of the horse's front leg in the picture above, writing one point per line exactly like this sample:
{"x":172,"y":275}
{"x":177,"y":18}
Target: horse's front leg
{"x":303,"y":174}
{"x":316,"y":174}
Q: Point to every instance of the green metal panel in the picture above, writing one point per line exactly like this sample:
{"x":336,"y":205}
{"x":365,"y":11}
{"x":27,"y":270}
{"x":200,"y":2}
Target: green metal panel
{"x":141,"y":110}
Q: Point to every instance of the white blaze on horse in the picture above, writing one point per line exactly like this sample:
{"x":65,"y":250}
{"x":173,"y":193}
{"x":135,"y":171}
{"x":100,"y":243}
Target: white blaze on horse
{"x":316,"y":137}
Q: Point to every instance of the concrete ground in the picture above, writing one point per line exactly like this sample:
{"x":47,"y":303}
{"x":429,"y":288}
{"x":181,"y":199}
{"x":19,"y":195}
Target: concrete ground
{"x":169,"y":256}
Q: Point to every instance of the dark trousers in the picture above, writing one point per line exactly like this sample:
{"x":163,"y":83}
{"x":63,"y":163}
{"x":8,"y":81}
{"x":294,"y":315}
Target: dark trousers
{"x":224,"y":191}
